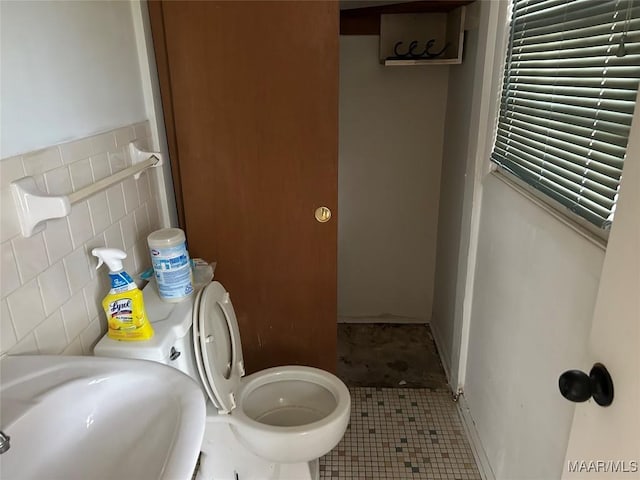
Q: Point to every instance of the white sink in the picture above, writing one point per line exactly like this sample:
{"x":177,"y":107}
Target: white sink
{"x":98,"y":418}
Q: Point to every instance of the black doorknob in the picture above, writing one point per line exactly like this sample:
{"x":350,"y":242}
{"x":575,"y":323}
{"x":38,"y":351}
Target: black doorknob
{"x":577,"y":386}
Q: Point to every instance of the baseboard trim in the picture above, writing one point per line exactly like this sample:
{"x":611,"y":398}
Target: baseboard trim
{"x":383,"y":319}
{"x":482,"y":461}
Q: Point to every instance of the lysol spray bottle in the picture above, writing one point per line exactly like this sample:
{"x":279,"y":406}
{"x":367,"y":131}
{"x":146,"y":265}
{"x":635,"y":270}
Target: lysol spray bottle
{"x":124,"y":304}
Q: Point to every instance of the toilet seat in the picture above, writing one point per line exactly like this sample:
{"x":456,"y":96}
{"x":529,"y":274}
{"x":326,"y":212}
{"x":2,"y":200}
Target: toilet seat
{"x":217,"y":346}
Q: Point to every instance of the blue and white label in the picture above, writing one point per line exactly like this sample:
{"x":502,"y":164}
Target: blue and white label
{"x":120,"y":282}
{"x":172,"y":270}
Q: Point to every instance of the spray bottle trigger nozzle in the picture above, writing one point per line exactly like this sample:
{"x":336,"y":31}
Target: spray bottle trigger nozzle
{"x":111,"y":256}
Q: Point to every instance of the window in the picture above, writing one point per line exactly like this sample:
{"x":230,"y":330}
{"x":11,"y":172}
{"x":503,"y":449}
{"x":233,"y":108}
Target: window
{"x":570,"y":82}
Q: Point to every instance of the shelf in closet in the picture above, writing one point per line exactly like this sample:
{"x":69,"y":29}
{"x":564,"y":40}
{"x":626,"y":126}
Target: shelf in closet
{"x":445,"y":28}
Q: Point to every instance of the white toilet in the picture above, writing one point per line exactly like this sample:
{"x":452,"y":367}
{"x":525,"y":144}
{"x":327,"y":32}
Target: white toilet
{"x":273,"y":424}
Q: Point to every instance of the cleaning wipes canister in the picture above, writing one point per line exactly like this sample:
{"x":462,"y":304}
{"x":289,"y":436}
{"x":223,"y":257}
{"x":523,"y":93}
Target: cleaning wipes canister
{"x":171,"y":266}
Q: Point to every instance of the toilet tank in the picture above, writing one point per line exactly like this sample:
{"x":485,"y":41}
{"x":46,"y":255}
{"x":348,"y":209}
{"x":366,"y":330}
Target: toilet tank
{"x":171,"y":343}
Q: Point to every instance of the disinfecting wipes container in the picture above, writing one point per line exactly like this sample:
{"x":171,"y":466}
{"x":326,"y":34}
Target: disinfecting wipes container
{"x":171,"y":266}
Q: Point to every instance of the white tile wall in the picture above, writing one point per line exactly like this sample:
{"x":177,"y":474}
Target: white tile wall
{"x":50,"y":294}
{"x":31,"y":256}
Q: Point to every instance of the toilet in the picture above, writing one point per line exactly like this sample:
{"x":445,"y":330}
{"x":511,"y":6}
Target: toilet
{"x":273,"y":424}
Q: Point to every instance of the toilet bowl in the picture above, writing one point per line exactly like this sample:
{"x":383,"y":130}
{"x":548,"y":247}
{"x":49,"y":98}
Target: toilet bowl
{"x":283,"y":418}
{"x":290,"y":414}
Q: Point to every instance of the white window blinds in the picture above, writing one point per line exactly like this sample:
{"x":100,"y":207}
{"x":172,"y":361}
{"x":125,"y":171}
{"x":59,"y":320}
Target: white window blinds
{"x":570,"y":82}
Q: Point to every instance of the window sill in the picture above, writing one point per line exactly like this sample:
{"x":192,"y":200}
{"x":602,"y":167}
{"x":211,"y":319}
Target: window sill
{"x":559,"y":212}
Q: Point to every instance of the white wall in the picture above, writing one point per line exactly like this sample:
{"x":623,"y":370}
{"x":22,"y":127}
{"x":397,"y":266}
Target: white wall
{"x":516,"y":297}
{"x":535,"y":289}
{"x":69,"y":70}
{"x":153,"y":105}
{"x":391,"y":131}
{"x":452,"y":185}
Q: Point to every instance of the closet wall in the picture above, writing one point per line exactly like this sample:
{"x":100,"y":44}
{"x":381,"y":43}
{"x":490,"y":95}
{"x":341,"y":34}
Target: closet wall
{"x":391,"y":140}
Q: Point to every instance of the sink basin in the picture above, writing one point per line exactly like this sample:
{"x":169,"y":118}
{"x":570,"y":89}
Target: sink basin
{"x":98,"y":418}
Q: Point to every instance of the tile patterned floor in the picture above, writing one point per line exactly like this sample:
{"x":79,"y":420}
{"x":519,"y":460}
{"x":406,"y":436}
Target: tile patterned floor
{"x":401,"y":434}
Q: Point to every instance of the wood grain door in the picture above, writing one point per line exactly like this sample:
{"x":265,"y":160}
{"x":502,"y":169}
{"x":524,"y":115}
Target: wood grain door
{"x":250,"y":94}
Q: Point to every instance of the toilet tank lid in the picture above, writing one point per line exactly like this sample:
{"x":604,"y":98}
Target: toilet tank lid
{"x":159,"y":311}
{"x":171,"y":323}
{"x":155,"y":352}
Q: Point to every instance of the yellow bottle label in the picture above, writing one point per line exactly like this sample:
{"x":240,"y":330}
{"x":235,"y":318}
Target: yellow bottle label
{"x":126,"y":316}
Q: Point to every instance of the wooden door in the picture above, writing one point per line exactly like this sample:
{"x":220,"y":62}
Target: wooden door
{"x":250,"y":93}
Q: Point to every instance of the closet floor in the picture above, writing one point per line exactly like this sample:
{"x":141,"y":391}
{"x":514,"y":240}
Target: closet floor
{"x":388,"y":355}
